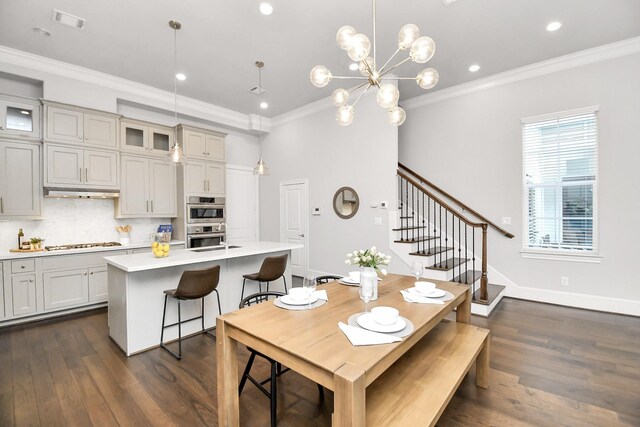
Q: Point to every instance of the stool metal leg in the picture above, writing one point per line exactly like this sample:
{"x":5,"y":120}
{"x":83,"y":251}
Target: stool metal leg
{"x":285,"y":284}
{"x":242,"y":294}
{"x":179,"y":333}
{"x":164,"y":312}
{"x":179,"y":355}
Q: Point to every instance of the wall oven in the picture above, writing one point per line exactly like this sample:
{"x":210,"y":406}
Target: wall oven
{"x":200,"y":236}
{"x":205,"y":209}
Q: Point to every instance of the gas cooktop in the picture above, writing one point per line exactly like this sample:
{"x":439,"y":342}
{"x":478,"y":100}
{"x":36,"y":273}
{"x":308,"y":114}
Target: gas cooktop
{"x":81,"y":246}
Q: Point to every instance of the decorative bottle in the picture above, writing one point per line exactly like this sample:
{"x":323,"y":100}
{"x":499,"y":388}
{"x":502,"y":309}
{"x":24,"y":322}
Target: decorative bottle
{"x":20,"y":236}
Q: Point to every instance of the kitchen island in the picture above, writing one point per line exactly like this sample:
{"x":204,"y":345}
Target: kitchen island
{"x":136,"y":284}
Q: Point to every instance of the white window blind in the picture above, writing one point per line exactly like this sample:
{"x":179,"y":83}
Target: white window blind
{"x":560,"y":153}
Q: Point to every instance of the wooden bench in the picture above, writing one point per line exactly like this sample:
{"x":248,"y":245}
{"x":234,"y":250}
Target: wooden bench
{"x":417,"y":388}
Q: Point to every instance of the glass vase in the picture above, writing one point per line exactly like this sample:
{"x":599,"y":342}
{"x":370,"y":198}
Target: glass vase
{"x":369,"y":274}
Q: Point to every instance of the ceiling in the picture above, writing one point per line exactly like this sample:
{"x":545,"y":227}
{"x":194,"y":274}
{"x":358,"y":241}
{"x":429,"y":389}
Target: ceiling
{"x":221,"y":39}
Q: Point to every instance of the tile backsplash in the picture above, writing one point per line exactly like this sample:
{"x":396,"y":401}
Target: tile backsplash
{"x":76,"y":221}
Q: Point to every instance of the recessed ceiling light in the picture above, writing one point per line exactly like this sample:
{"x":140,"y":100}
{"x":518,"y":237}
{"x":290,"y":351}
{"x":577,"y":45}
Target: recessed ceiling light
{"x":264,"y":105}
{"x":266,"y":8}
{"x":68,"y":19}
{"x":181,"y":76}
{"x":553,"y":26}
{"x":474,"y":68}
{"x":25,"y":112}
{"x":353,"y":66}
{"x":42,"y":31}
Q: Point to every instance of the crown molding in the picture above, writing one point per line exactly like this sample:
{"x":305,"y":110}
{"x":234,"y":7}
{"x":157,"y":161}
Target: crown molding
{"x":573,"y":60}
{"x":127,"y":90}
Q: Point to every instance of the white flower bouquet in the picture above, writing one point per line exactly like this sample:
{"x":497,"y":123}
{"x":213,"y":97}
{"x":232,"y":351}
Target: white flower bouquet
{"x":369,"y":258}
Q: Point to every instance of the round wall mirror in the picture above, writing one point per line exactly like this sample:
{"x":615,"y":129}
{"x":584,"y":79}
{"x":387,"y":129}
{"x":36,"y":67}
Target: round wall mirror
{"x":346,"y":202}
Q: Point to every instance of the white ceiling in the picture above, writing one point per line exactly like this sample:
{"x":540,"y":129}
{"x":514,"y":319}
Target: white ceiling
{"x":221,"y":40}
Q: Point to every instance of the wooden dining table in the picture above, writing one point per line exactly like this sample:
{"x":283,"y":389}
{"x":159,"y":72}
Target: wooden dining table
{"x":310,"y":343}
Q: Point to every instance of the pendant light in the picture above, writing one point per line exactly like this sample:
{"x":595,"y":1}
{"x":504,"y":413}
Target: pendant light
{"x":175,"y":153}
{"x":261,"y":168}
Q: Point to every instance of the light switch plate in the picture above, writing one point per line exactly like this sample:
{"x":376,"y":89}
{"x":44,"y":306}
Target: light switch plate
{"x":316,"y":211}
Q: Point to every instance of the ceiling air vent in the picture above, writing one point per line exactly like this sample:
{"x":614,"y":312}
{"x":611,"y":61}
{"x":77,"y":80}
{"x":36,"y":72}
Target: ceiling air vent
{"x":258,"y":90}
{"x":68,"y":19}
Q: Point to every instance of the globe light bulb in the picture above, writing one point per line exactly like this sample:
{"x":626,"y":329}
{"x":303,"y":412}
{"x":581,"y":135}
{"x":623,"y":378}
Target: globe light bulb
{"x":339,"y":97}
{"x":387,"y":95}
{"x":427,"y":78}
{"x":344,"y":115}
{"x":359,"y":47}
{"x":320,"y":76}
{"x":343,"y":36}
{"x":407,"y":35}
{"x":396,"y":116}
{"x":422,"y":50}
{"x":363,"y":67}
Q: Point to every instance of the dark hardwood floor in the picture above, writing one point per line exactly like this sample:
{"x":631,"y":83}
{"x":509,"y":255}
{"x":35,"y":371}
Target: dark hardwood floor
{"x":551,"y":366}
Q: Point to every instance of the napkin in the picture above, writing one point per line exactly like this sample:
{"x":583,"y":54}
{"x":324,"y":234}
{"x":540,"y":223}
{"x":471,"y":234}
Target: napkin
{"x":359,"y":336}
{"x":409,"y":297}
{"x":321,"y":294}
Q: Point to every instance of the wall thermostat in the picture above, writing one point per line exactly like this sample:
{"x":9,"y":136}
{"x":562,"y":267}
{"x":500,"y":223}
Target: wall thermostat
{"x":316,"y":211}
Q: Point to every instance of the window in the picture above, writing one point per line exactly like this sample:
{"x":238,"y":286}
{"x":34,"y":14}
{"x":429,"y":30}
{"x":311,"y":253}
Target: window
{"x":560,"y":153}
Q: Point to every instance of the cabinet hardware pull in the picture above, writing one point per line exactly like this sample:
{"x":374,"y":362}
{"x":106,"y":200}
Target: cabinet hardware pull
{"x":1,"y":205}
{"x":152,"y":206}
{"x":86,"y":174}
{"x":1,"y":128}
{"x":23,"y":267}
{"x":91,"y":273}
{"x":84,"y":274}
{"x":147,"y":206}
{"x":80,"y":174}
{"x":80,"y":137}
{"x":31,"y":280}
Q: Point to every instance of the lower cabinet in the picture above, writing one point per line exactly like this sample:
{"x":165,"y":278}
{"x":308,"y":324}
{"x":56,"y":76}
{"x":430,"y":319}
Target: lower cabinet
{"x":98,"y":290}
{"x":65,"y":288}
{"x":23,"y":290}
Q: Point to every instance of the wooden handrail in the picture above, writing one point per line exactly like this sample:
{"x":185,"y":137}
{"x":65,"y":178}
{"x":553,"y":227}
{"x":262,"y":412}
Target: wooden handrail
{"x":440,"y":201}
{"x":455,"y":200}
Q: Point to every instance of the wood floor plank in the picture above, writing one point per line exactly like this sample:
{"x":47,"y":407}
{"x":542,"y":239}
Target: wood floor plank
{"x":550,"y":366}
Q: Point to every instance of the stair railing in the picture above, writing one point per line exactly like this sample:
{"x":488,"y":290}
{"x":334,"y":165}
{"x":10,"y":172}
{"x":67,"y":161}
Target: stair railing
{"x":465,"y":207}
{"x":421,"y":211}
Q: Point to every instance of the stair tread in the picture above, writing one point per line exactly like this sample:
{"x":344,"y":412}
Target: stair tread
{"x":448,"y":264}
{"x":409,"y":228}
{"x":492,"y":290}
{"x":432,"y":251}
{"x":416,"y":240}
{"x":468,"y":277}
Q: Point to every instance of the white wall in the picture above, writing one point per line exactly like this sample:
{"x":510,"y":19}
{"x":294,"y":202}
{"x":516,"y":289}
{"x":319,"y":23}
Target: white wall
{"x":362,"y":156}
{"x":470,"y":145}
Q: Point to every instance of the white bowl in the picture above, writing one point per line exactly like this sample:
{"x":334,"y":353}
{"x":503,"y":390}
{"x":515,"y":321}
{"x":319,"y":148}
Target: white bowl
{"x":354,"y":276}
{"x":298,"y":294}
{"x":385,"y":315}
{"x":425,"y":288}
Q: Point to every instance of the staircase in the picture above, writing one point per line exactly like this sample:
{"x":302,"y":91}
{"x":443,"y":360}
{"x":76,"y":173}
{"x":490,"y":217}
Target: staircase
{"x":450,"y":245}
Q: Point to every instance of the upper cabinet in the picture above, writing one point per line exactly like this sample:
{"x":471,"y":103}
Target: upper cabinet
{"x":80,"y":126}
{"x":80,"y":168}
{"x":145,"y":138}
{"x":19,"y":117}
{"x":201,"y":144}
{"x":20,"y":187}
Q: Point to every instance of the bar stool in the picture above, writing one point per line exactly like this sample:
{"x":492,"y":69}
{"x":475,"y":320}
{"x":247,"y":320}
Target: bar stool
{"x":272,"y":268}
{"x":194,"y":284}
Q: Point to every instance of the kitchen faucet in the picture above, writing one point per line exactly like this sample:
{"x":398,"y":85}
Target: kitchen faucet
{"x":224,"y":239}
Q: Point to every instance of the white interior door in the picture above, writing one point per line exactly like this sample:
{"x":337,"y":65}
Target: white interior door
{"x":293,"y":222}
{"x":241,"y":205}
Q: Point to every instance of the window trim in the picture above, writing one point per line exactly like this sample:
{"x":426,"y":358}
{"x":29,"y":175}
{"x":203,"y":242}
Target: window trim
{"x":592,"y":256}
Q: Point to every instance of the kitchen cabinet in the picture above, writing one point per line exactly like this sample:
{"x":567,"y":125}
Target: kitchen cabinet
{"x":66,"y":288}
{"x":2,"y":312}
{"x":19,"y":117}
{"x":80,"y":168}
{"x":98,"y":290}
{"x":206,"y":178}
{"x":23,"y":294}
{"x":142,"y":137}
{"x":148,"y":188}
{"x":80,"y":126}
{"x":201,"y":143}
{"x":20,"y":187}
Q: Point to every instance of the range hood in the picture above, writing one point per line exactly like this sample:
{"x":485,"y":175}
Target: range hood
{"x":78,"y":193}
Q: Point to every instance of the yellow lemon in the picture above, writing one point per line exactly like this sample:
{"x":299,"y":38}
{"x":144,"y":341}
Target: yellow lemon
{"x":154,"y":245}
{"x":165,"y":248}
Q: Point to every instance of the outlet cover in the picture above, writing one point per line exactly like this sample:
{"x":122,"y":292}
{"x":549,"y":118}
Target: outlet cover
{"x":564,"y":281}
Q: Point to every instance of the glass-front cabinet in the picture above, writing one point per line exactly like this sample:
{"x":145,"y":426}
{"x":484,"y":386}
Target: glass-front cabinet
{"x":141,"y":137}
{"x":19,"y":117}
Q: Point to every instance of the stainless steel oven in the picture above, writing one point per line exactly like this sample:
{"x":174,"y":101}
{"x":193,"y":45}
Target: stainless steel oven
{"x":200,"y":236}
{"x":205,"y":209}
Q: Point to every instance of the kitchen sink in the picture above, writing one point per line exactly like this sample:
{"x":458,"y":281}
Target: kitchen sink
{"x":216,"y":248}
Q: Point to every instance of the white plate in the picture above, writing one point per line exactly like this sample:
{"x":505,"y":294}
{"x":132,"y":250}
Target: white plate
{"x":436,"y":293}
{"x":290,"y":301}
{"x":366,"y":321}
{"x":349,"y":281}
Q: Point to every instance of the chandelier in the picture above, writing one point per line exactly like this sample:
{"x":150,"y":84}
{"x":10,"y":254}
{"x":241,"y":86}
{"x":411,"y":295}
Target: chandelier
{"x":358,"y":47}
{"x":175,"y":153}
{"x":261,"y":168}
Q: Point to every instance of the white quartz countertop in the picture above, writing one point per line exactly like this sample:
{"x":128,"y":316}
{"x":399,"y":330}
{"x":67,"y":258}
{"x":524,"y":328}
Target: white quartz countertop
{"x":21,"y":255}
{"x":147,"y":261}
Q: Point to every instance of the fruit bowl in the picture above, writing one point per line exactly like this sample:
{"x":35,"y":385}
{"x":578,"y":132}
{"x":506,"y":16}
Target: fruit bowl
{"x":160,"y":250}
